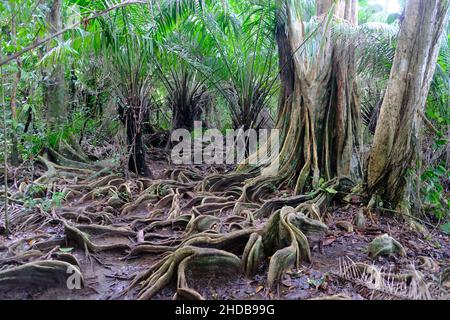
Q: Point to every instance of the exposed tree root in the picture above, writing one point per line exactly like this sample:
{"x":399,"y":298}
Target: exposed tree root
{"x":222,"y":224}
{"x":177,"y":263}
{"x":201,"y":224}
{"x":50,"y":174}
{"x":385,"y":245}
{"x":74,"y":164}
{"x":142,"y":199}
{"x":97,"y":229}
{"x":198,"y":234}
{"x":82,"y":239}
{"x":283,"y":238}
{"x":312,"y":203}
{"x":41,"y":273}
{"x":20,"y":258}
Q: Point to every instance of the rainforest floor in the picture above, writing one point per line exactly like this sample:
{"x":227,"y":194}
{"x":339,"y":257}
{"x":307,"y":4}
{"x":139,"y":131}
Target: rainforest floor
{"x":107,"y":273}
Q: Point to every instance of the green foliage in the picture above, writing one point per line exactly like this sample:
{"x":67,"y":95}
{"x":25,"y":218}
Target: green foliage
{"x":433,"y":191}
{"x":366,"y":10}
{"x":37,"y":195}
{"x":446,"y":228}
{"x":370,"y":11}
{"x":36,"y":191}
{"x":58,"y":198}
{"x":234,"y":51}
{"x":131,"y":56}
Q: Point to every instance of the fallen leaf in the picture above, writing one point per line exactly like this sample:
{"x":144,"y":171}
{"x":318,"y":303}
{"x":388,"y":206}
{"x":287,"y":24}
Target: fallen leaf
{"x":329,"y":241}
{"x":259,"y":288}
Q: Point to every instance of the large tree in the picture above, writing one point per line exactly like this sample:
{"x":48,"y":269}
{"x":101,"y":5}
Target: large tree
{"x":395,"y":143}
{"x":319,"y":114}
{"x":13,"y":100}
{"x":129,"y":55}
{"x":54,"y":90}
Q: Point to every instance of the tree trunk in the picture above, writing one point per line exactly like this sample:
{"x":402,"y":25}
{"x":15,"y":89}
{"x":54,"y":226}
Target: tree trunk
{"x":319,"y":107}
{"x":322,"y":100}
{"x":395,"y":143}
{"x":14,"y":148}
{"x":184,"y":116}
{"x":73,"y":89}
{"x":136,"y":162}
{"x":131,"y":118}
{"x":54,"y":95}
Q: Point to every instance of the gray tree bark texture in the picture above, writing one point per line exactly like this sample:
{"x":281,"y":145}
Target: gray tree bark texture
{"x":319,"y":117}
{"x":54,"y":95}
{"x":324,"y":97}
{"x":395,"y":143}
{"x":15,"y":159}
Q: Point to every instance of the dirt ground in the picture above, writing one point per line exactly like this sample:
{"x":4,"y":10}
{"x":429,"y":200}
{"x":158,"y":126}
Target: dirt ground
{"x":108,"y":273}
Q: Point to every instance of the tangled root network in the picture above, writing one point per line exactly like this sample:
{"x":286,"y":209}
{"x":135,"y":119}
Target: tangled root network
{"x":191,"y":224}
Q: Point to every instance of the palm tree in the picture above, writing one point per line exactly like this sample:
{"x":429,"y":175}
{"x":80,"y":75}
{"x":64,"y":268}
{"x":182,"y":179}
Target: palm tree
{"x":128,"y":53}
{"x":234,"y":52}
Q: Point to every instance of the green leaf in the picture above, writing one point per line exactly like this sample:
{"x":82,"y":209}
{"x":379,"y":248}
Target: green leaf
{"x":441,"y":171}
{"x":66,"y":250}
{"x":392,"y":18}
{"x":321,"y":181}
{"x":331,"y":190}
{"x":441,"y":143}
{"x":446,"y":228}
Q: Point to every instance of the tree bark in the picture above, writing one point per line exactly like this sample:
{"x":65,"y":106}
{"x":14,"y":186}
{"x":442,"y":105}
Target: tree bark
{"x":54,"y":93}
{"x":131,"y":118}
{"x":326,"y":98}
{"x":395,"y":143}
{"x":319,"y":107}
{"x":15,"y":148}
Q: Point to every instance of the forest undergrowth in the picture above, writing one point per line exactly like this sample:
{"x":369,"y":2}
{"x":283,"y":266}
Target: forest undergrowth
{"x":184,"y":235}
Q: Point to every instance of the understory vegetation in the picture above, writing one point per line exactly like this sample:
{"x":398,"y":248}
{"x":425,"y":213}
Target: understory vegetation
{"x":357,"y":196}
